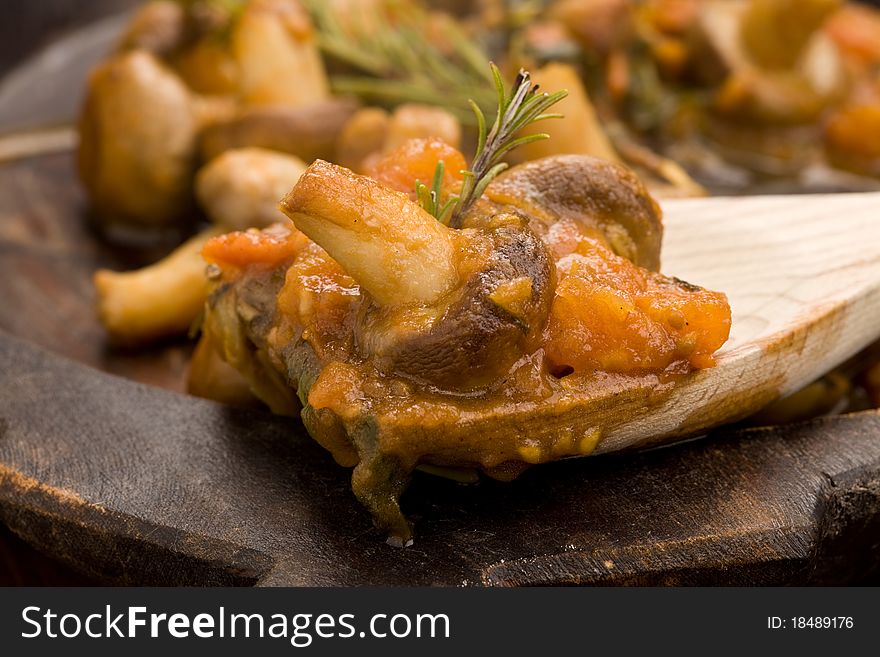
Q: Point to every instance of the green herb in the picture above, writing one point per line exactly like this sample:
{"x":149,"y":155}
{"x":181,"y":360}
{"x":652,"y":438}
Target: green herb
{"x":429,"y":198}
{"x":521,"y":107}
{"x":393,"y":57}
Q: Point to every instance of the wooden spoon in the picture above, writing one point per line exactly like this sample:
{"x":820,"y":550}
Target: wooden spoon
{"x":803,"y":277}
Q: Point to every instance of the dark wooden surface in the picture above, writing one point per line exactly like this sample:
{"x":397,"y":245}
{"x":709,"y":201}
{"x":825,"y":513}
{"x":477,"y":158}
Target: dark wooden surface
{"x":48,"y":254}
{"x":47,"y":257}
{"x":132,"y":484}
{"x":138,"y":485}
{"x":27,"y":28}
{"x":29,"y":25}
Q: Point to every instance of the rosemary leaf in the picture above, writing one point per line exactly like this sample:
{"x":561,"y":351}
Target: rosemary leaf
{"x":481,"y":186}
{"x":393,"y":59}
{"x":522,"y":106}
{"x":521,"y":141}
{"x":481,"y":126}
{"x":514,"y":112}
{"x":444,"y":212}
{"x":439,"y":173}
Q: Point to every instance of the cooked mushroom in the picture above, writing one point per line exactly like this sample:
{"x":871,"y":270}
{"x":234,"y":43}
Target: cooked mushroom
{"x":443,"y":302}
{"x":777,"y":66}
{"x":373,"y":133}
{"x":241,"y":188}
{"x":137,"y":151}
{"x":211,"y":377}
{"x":776,"y":33}
{"x":591,"y":192}
{"x":308,"y":132}
{"x":578,"y":131}
{"x":158,"y":301}
{"x":274,"y":46}
{"x":362,"y":137}
{"x":158,"y":27}
{"x":200,"y":74}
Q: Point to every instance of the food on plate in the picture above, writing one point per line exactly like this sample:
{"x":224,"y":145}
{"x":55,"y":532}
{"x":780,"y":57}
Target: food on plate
{"x":418,"y":303}
{"x":372,"y":132}
{"x":237,"y":190}
{"x":191,"y":80}
{"x":138,"y":142}
{"x":466,"y":325}
{"x":733,"y":93}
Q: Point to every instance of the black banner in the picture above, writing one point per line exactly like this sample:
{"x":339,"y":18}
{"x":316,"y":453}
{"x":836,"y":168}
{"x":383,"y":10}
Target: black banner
{"x":434,"y":621}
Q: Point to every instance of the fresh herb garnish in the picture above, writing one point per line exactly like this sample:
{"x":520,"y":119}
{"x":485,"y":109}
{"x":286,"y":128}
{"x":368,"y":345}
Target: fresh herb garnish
{"x":429,"y":198}
{"x":401,"y":54}
{"x":521,"y":107}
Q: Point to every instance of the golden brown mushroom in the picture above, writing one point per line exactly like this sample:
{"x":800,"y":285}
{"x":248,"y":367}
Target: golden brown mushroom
{"x":137,"y":151}
{"x":158,"y":301}
{"x":241,"y":188}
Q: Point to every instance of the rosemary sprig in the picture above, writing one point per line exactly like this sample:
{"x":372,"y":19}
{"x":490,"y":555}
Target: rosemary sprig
{"x":430,"y":200}
{"x":521,"y":107}
{"x":394,"y":57}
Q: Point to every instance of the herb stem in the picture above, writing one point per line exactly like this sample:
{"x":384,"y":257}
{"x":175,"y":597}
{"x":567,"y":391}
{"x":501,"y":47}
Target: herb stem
{"x":522,"y":106}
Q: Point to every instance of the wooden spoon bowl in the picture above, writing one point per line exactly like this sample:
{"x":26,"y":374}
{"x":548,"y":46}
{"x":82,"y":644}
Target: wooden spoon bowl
{"x":802,"y":274}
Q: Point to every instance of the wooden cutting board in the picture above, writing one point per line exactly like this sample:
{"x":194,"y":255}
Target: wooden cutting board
{"x":133,"y":484}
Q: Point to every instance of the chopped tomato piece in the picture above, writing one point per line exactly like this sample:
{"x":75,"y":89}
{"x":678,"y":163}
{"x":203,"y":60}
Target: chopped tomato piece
{"x":417,"y":160}
{"x":263,"y":248}
{"x":611,"y":315}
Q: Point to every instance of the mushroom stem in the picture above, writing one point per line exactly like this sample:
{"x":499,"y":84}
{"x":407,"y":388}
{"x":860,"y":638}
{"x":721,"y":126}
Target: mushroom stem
{"x":395,"y":250}
{"x":158,"y":301}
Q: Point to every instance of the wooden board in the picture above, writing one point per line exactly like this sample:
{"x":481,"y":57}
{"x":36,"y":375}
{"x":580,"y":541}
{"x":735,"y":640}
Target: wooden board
{"x":137,"y":485}
{"x":48,"y":253}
